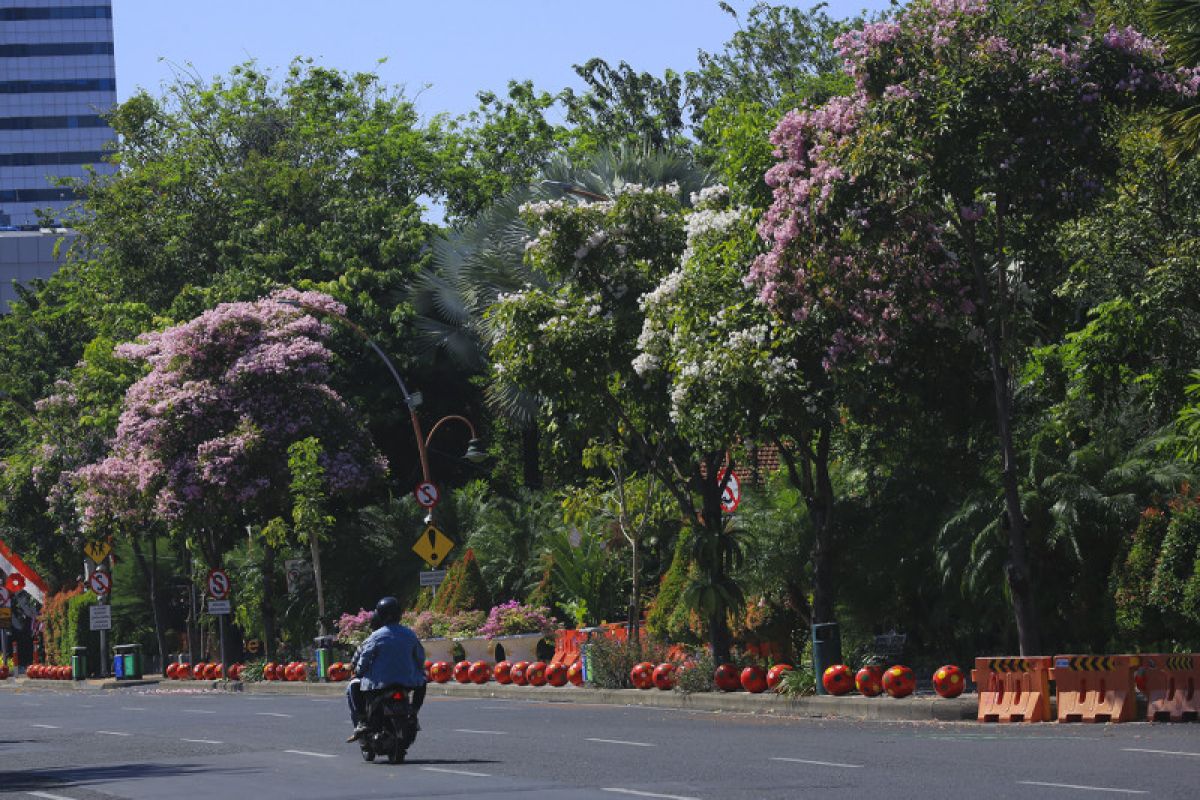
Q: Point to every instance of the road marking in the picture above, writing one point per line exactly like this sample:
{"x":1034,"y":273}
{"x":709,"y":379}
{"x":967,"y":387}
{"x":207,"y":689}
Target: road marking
{"x":197,"y":711}
{"x":307,"y":753}
{"x":492,"y":733}
{"x":636,"y":793}
{"x":1084,"y":788}
{"x":620,"y":741}
{"x":817,"y":763}
{"x":202,"y":741}
{"x":1161,"y":752}
{"x":457,"y":772}
{"x":49,"y":796}
{"x":132,"y":708}
{"x":270,"y":714}
{"x":113,"y":733}
{"x":39,"y":725}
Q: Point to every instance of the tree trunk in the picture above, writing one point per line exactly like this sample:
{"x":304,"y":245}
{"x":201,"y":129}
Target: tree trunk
{"x":635,"y":595}
{"x":820,"y":508}
{"x":531,"y":457}
{"x":268,"y":604}
{"x":720,"y":637}
{"x":316,"y":557}
{"x":148,"y":571}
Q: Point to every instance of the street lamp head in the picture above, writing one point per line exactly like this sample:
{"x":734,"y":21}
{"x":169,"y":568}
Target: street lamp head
{"x":475,"y":452}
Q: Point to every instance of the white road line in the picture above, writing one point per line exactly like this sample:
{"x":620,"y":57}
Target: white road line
{"x":270,"y":714}
{"x":1083,"y":788}
{"x":620,"y":741}
{"x":40,"y":725}
{"x":308,"y":753}
{"x":491,"y":733}
{"x":113,"y":733}
{"x":197,"y":711}
{"x":457,"y":772}
{"x":636,"y":793}
{"x":202,"y":741}
{"x":131,"y":708}
{"x":49,"y":796}
{"x":1160,"y":752}
{"x":817,"y":763}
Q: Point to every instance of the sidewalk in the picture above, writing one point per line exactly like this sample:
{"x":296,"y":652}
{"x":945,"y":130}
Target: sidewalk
{"x":917,"y":708}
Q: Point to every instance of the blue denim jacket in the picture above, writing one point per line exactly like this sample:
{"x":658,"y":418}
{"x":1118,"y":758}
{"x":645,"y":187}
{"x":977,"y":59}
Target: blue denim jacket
{"x":391,"y":655}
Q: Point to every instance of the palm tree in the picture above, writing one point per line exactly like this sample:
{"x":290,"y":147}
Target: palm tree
{"x":1177,"y":22}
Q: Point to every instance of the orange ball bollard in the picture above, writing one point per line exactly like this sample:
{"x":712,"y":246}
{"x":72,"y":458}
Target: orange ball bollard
{"x":754,"y":679}
{"x":503,"y":673}
{"x":301,"y":672}
{"x":775,"y":675}
{"x":664,"y":677}
{"x":518,"y":673}
{"x":462,"y":672}
{"x":949,"y":681}
{"x":869,"y":680}
{"x":535,"y":673}
{"x":556,"y":675}
{"x":642,"y":675}
{"x":480,"y":672}
{"x":837,"y":680}
{"x":575,"y":673}
{"x":441,"y":671}
{"x":726,"y":678}
{"x":899,"y":681}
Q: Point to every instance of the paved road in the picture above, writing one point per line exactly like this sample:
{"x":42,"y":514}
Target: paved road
{"x":157,"y":744}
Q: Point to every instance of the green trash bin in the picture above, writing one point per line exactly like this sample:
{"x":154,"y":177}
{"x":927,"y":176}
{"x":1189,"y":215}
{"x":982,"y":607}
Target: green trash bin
{"x":826,"y":650}
{"x":127,"y":662}
{"x":323,"y":648}
{"x":79,"y":663}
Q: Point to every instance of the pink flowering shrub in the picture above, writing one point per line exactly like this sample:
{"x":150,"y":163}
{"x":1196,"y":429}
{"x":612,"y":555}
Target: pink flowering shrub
{"x":514,"y":617}
{"x":353,"y":629}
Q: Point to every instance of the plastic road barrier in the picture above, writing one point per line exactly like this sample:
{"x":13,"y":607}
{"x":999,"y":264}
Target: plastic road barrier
{"x":1013,"y":689}
{"x":1172,"y":686}
{"x":1095,"y":688}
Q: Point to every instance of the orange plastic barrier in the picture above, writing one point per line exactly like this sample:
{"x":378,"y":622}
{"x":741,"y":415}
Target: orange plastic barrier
{"x":1172,"y":686}
{"x":1013,"y":689}
{"x":1095,"y":688}
{"x":566,"y":647}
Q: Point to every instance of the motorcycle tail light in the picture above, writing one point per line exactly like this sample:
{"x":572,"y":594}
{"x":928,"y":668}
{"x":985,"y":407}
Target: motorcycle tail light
{"x":397,"y":695}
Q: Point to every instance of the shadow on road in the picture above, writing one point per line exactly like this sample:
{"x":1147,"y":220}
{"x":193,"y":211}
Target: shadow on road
{"x":60,"y":778}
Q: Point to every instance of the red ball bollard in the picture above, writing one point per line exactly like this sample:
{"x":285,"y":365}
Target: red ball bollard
{"x":3,"y":672}
{"x":642,"y":675}
{"x":218,"y":671}
{"x":899,"y":681}
{"x":536,"y":673}
{"x":462,"y":672}
{"x":1139,"y":681}
{"x":301,"y":671}
{"x":518,"y":673}
{"x":869,"y":680}
{"x":949,"y":681}
{"x":837,"y":680}
{"x":172,"y":671}
{"x":575,"y":673}
{"x":198,"y":670}
{"x":556,"y":675}
{"x":441,"y":671}
{"x":726,"y":678}
{"x":480,"y":672}
{"x":664,"y":677}
{"x":428,"y":667}
{"x":775,"y":675}
{"x":754,"y":679}
{"x":503,"y":673}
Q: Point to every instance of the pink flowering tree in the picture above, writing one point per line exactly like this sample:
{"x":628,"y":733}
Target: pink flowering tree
{"x":927,"y":198}
{"x":202,"y":441}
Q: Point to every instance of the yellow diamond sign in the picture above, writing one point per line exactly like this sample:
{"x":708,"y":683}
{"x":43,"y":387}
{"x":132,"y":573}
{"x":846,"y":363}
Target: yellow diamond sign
{"x":97,"y":551}
{"x":433,"y":546}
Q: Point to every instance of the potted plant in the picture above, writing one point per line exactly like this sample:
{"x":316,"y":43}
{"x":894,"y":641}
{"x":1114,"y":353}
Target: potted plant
{"x":463,"y":628}
{"x":518,"y":628}
{"x":429,"y":626}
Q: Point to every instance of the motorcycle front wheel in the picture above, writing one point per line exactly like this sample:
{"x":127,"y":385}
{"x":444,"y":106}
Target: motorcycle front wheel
{"x":368,"y":754}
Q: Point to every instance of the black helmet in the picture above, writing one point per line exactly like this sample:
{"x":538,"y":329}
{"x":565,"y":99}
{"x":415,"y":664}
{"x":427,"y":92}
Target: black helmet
{"x":387,"y":611}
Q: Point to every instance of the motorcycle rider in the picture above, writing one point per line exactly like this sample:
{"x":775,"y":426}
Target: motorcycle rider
{"x":391,"y":656}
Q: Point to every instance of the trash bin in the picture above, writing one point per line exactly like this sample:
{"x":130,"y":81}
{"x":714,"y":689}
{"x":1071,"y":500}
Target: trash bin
{"x":127,"y":662}
{"x":826,"y":650}
{"x":79,"y":663}
{"x":324,"y":653}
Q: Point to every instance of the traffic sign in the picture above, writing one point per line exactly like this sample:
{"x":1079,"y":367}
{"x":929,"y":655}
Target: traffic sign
{"x":15,"y":582}
{"x":427,"y":494}
{"x":433,"y":546}
{"x":433,"y":577}
{"x":98,"y":551}
{"x":218,"y":606}
{"x":218,"y":584}
{"x":100,"y":618}
{"x":100,"y":583}
{"x":731,"y":496}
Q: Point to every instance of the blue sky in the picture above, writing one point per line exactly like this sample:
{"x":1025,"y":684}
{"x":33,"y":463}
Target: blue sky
{"x":458,"y":47}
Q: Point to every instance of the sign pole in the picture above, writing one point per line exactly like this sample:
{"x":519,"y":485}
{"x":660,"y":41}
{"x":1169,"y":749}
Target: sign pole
{"x":103,"y":647}
{"x":221,"y":637}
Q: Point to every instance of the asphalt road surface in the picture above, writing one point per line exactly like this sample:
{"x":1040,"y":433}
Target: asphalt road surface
{"x":153,"y":743}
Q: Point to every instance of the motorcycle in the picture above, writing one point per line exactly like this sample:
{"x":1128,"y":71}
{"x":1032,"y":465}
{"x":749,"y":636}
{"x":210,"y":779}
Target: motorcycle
{"x":391,"y":725}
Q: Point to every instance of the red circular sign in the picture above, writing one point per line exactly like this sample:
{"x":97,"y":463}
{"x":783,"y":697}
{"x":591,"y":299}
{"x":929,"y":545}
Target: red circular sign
{"x":15,"y":582}
{"x":427,"y":494}
{"x":218,"y":585}
{"x":100,"y":583}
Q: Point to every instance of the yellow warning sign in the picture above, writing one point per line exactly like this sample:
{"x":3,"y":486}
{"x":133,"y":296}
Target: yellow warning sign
{"x":433,"y":546}
{"x":98,"y":551}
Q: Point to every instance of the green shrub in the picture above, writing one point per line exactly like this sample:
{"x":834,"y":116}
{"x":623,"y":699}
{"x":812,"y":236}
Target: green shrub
{"x":696,"y":675}
{"x":612,"y":660}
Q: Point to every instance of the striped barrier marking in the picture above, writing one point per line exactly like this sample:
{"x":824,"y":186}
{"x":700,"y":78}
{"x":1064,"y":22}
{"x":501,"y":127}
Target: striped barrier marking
{"x":1177,"y":663}
{"x":1096,"y":663}
{"x":1009,"y":665}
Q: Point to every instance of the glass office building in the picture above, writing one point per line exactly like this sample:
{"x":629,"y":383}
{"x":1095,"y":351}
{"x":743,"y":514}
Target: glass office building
{"x":57,"y":76}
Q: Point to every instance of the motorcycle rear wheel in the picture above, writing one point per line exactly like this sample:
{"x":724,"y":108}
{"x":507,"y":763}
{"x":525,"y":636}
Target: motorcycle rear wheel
{"x":396,"y":754}
{"x":368,"y":754}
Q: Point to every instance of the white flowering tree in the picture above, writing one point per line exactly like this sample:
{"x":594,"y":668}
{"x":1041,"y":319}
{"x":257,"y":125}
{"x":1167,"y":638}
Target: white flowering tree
{"x":575,"y":344}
